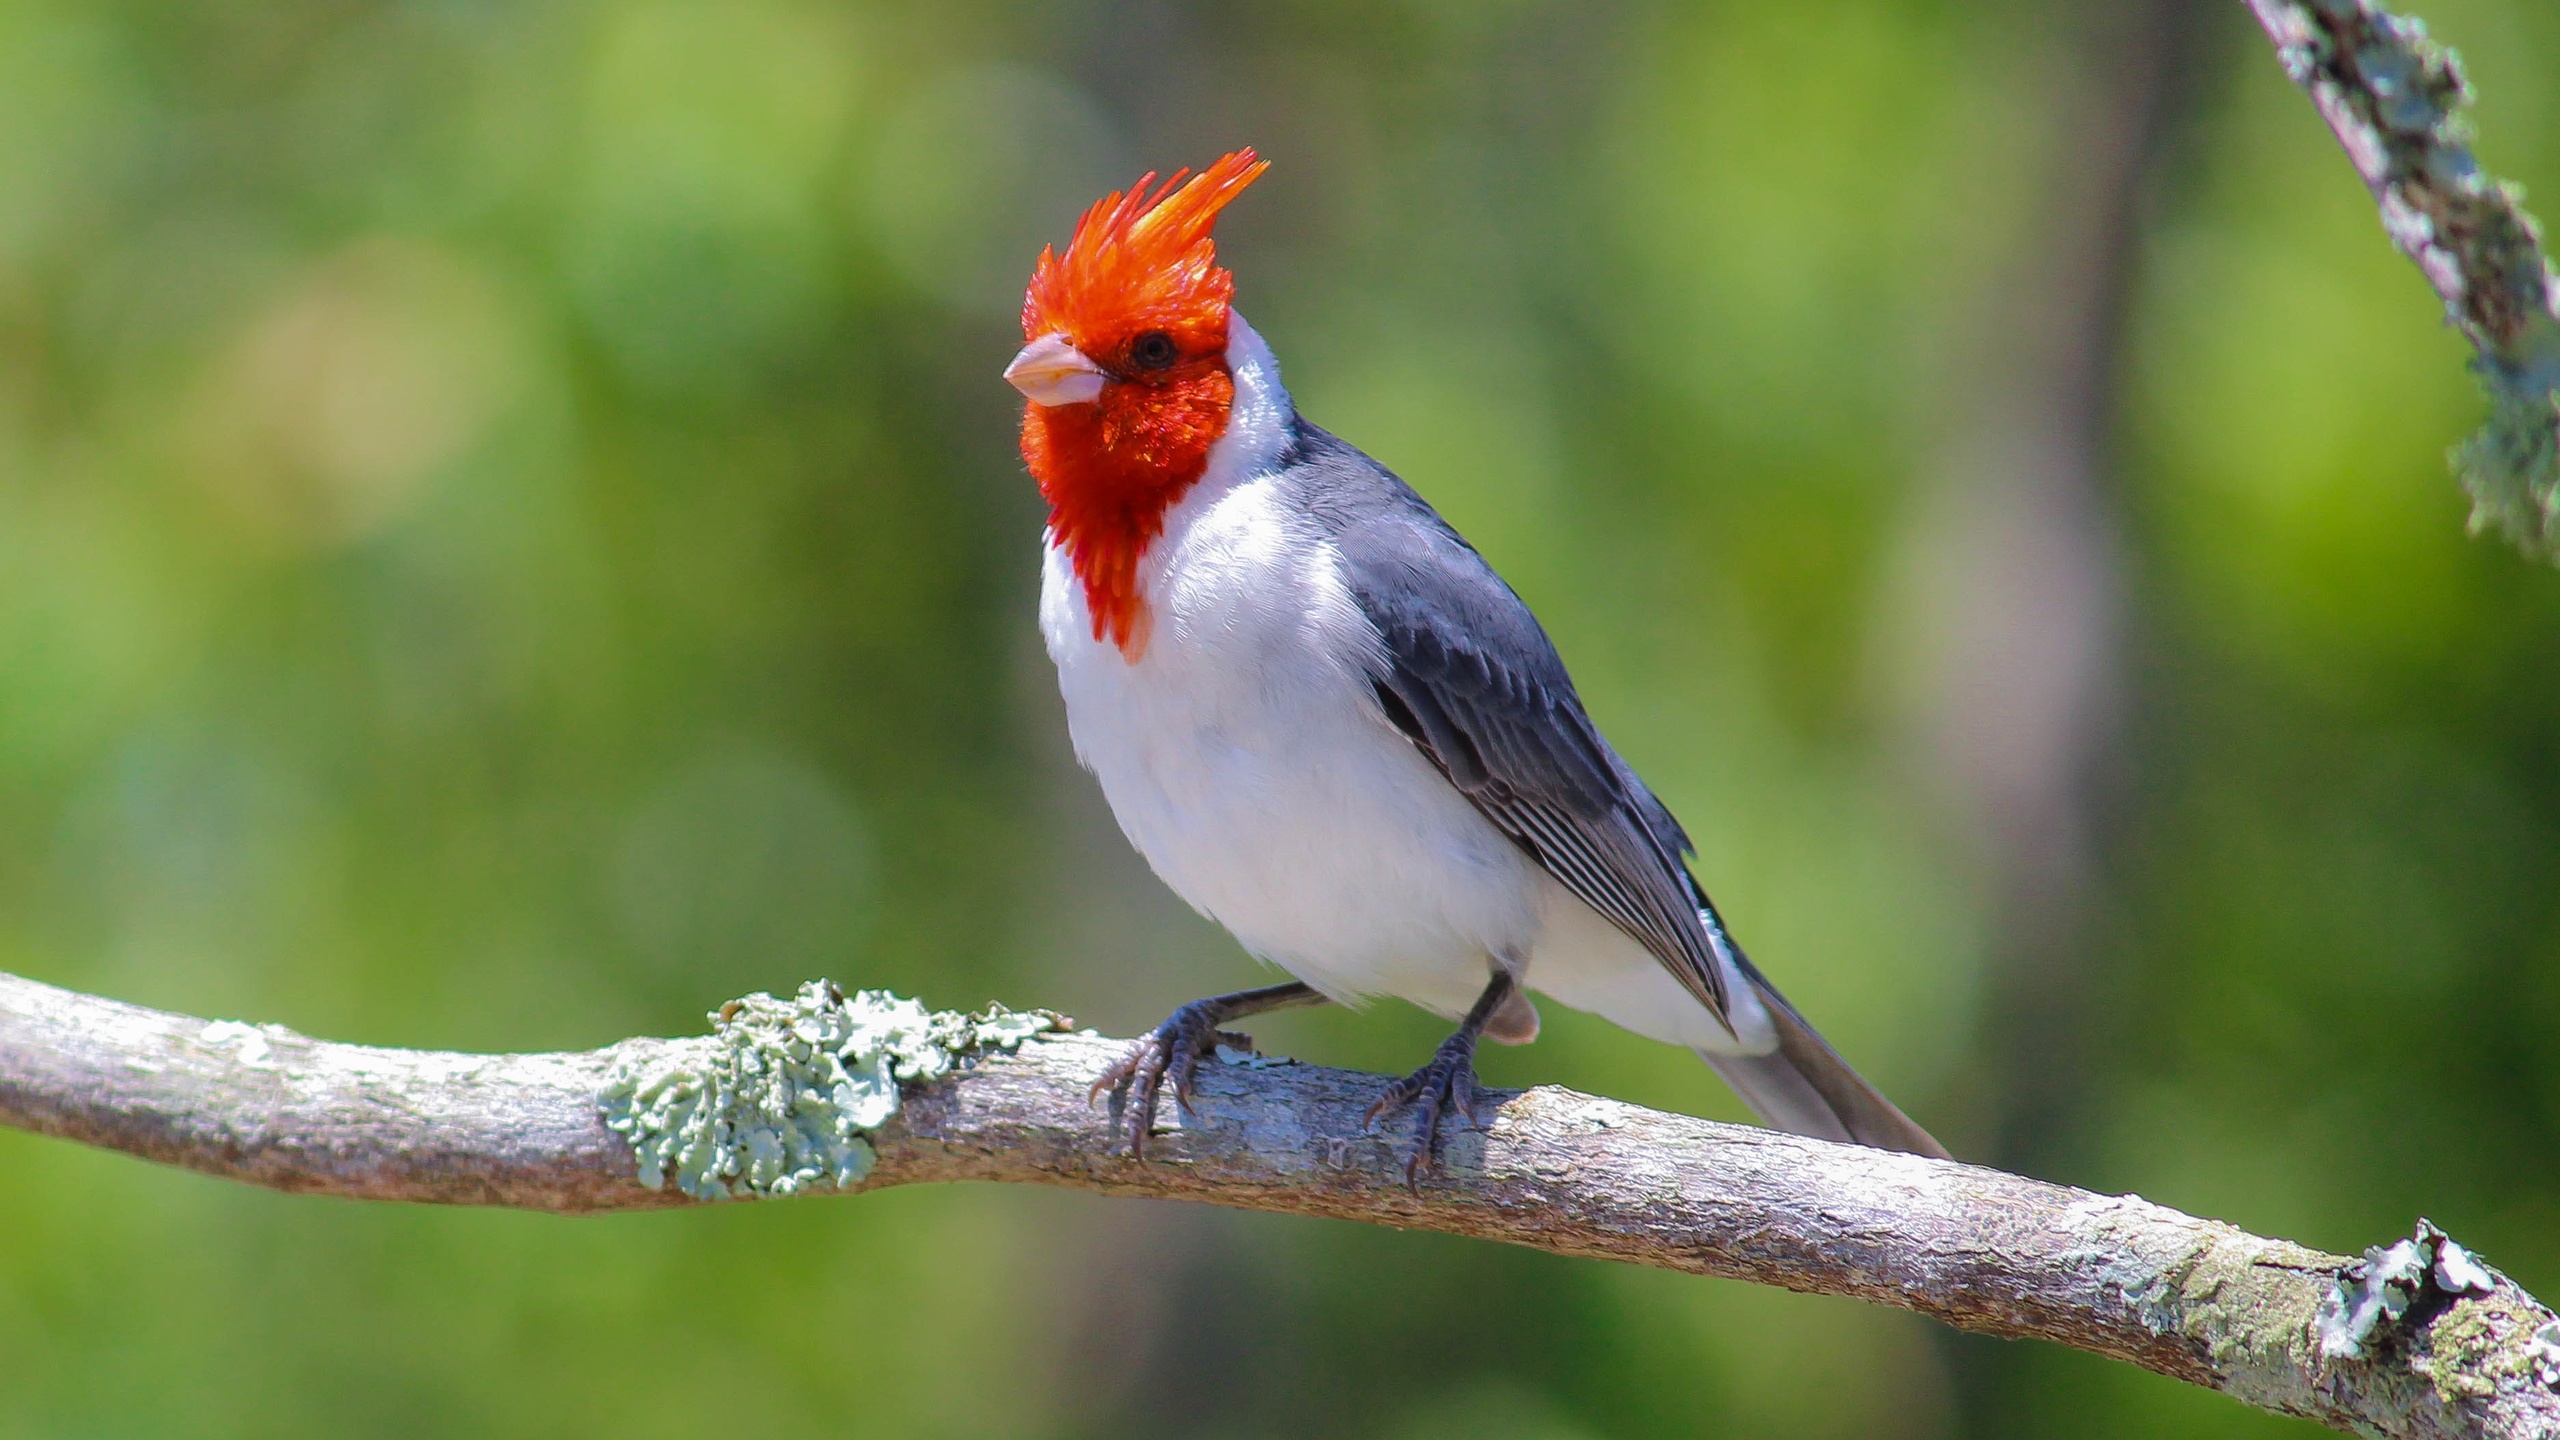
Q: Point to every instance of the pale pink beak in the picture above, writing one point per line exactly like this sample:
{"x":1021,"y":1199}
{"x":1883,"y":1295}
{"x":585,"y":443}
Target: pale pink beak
{"x":1050,"y":371}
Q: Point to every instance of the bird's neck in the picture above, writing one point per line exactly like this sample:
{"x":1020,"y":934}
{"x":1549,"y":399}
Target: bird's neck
{"x":1112,"y":470}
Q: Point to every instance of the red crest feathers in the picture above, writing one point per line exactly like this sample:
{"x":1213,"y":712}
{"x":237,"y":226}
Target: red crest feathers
{"x":1141,"y":261}
{"x":1142,"y":266}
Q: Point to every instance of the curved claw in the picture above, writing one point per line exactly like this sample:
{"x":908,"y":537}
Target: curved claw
{"x":1170,"y":1051}
{"x":1395,"y":1097}
{"x":1448,"y":1082}
{"x":1121,"y":1071}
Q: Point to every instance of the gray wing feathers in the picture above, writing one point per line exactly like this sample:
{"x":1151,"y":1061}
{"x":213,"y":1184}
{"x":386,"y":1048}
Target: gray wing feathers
{"x":1471,"y":678}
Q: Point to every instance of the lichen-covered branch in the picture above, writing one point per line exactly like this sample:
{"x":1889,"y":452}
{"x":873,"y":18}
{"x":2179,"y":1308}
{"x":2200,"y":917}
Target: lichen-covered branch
{"x":830,"y":1092}
{"x":2395,"y":100}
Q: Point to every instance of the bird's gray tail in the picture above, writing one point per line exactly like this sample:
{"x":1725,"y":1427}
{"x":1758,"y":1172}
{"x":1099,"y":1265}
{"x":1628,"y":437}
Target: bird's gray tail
{"x":1804,"y":1086}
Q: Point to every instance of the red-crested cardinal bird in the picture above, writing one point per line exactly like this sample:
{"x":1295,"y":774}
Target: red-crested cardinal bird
{"x":1330,"y":726}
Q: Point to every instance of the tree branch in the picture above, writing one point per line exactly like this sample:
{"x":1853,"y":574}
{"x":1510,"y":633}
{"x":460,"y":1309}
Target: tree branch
{"x":2395,"y":100}
{"x":2418,"y":1340}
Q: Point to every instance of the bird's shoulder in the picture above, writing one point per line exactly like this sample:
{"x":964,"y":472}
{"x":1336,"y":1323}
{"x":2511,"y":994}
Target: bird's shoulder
{"x":1414,"y":575}
{"x":1472,"y":675}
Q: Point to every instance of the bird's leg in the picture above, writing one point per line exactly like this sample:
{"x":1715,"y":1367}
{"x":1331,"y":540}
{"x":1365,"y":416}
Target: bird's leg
{"x":1173,"y":1049}
{"x":1449,"y":1080}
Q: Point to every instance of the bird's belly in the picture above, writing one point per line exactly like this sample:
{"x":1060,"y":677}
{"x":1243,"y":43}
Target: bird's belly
{"x":1242,"y":755}
{"x":1357,"y":868}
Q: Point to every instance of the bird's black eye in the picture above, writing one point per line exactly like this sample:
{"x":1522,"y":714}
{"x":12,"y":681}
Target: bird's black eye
{"x":1153,"y":351}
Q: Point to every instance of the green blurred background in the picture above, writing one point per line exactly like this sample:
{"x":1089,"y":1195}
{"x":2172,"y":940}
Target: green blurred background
{"x":509,"y":535}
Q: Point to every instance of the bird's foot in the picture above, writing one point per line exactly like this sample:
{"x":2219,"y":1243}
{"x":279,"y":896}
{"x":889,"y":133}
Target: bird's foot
{"x":1447,"y":1083}
{"x":1173,"y":1051}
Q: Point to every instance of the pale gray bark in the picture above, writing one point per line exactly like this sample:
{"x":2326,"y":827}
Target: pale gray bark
{"x":2193,"y":1299}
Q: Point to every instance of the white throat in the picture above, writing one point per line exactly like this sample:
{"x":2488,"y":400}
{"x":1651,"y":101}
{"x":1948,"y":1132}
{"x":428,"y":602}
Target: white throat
{"x":1257,"y":419}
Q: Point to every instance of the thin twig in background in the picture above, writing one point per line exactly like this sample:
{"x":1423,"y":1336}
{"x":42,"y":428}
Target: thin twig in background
{"x":2419,"y":1340}
{"x":2395,"y":100}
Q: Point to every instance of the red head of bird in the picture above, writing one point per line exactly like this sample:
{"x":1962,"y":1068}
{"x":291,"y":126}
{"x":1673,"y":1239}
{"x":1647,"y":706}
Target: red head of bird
{"x":1125,"y":378}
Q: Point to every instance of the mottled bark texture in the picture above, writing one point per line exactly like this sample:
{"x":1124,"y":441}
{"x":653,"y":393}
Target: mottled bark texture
{"x":2419,"y":1342}
{"x":2396,"y":101}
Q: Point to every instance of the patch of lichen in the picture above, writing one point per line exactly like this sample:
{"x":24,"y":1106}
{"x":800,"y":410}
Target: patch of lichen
{"x":2395,"y":1285}
{"x":2232,"y":1302}
{"x":783,"y":1096}
{"x":2244,"y":1304}
{"x":2511,"y":468}
{"x":2474,"y":1346}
